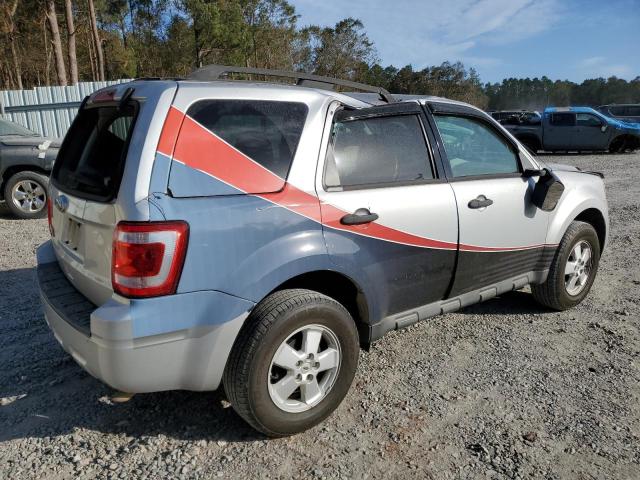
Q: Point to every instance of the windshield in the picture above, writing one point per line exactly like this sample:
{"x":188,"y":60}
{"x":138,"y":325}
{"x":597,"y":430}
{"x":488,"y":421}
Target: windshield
{"x":10,"y":128}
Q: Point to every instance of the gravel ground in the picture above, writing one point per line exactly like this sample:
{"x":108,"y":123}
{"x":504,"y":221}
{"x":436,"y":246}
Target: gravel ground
{"x":503,"y":389}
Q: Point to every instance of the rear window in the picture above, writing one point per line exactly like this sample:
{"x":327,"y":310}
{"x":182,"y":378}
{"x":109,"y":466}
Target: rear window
{"x":265,"y":131}
{"x":91,"y":159}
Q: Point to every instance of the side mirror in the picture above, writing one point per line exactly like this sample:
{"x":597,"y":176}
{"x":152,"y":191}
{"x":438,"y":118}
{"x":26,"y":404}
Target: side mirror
{"x":547,"y":191}
{"x":533,"y":172}
{"x":603,"y":128}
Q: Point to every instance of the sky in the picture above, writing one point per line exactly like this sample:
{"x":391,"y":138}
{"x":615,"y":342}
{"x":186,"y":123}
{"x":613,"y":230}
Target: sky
{"x":562,"y":39}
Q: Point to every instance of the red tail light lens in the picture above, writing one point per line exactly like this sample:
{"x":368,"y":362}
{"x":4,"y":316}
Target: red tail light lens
{"x":147,"y":258}
{"x":50,"y":215}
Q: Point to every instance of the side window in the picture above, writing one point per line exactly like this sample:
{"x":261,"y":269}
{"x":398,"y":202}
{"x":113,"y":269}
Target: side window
{"x":379,"y":150}
{"x":474,"y":148}
{"x":267,"y":132}
{"x":587,"y":120}
{"x":563,"y":119}
{"x":633,"y":111}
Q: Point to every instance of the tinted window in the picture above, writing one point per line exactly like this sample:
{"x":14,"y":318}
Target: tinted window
{"x":267,"y":132}
{"x":10,"y":128}
{"x":633,"y":111}
{"x":618,"y":110}
{"x":91,"y":159}
{"x":587,"y":120}
{"x":563,"y":119}
{"x":377,"y":150}
{"x":474,"y":148}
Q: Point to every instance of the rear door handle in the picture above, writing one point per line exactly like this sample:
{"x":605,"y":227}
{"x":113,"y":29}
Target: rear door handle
{"x":360,"y":216}
{"x":480,"y":202}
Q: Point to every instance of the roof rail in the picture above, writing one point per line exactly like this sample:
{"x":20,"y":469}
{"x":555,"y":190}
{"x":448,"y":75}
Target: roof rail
{"x":217,"y":72}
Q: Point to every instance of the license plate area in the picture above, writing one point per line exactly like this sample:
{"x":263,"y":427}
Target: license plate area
{"x":71,"y":235}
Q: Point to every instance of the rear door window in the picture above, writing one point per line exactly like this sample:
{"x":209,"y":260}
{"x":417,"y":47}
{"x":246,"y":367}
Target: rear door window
{"x":265,"y":131}
{"x":563,"y":119}
{"x":377,"y":151}
{"x":91,"y":159}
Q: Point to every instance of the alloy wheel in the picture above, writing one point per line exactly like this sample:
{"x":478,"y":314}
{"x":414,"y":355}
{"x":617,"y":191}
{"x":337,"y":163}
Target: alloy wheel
{"x":304,"y":368}
{"x":578,"y":268}
{"x":29,"y":196}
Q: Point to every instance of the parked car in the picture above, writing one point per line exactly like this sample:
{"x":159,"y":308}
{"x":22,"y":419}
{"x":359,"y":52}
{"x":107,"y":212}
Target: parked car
{"x":517,"y":117}
{"x":26,"y":159}
{"x":254,"y":235}
{"x":626,"y":113}
{"x":577,"y":129}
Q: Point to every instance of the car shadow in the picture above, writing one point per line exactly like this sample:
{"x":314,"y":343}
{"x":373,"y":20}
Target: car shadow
{"x":511,"y":303}
{"x":46,"y":394}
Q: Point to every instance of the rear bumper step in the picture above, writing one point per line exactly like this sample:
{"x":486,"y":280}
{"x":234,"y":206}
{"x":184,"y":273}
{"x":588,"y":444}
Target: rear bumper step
{"x":63,"y":297}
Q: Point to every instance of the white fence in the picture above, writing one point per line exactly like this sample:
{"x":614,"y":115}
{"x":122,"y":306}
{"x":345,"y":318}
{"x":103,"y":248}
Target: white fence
{"x":48,"y":111}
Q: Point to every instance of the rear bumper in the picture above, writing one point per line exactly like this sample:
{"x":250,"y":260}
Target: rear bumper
{"x":176,"y":342}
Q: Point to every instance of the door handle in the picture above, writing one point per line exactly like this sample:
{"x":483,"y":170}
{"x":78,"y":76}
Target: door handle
{"x":480,"y":202}
{"x":360,"y":216}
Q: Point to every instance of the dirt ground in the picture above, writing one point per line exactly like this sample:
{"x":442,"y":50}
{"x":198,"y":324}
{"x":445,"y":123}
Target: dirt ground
{"x":504,"y":389}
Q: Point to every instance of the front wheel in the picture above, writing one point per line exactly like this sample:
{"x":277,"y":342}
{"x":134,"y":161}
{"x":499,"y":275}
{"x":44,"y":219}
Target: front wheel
{"x":25,"y":194}
{"x":293,"y":362}
{"x":573,"y":269}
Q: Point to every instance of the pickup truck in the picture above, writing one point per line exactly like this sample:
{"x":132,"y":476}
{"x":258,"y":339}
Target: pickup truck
{"x":26,"y":158}
{"x":577,"y":129}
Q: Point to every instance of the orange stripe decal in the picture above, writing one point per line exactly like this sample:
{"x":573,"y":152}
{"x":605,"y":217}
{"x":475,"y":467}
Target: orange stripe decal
{"x":199,"y":148}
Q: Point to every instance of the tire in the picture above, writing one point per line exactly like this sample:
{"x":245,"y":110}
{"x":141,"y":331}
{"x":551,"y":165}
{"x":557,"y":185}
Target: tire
{"x":617,"y":145}
{"x":250,"y":378}
{"x":32,"y":188}
{"x":556,"y":291}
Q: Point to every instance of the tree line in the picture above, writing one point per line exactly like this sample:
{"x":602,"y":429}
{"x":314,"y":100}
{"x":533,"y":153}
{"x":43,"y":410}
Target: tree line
{"x":61,"y":42}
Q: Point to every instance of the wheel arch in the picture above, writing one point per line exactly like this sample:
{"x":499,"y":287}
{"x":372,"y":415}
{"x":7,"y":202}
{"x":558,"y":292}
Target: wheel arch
{"x":341,"y":288}
{"x":627,"y":140}
{"x":595,"y":218}
{"x":13,"y":169}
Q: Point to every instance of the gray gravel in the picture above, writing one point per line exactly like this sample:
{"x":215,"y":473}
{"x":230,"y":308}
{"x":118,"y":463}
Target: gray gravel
{"x":503,"y":389}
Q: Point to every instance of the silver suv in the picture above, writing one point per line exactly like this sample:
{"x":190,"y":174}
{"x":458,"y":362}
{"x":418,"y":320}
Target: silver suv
{"x":254,"y":234}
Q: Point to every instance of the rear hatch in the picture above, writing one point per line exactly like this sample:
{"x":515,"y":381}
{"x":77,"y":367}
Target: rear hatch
{"x":107,"y":135}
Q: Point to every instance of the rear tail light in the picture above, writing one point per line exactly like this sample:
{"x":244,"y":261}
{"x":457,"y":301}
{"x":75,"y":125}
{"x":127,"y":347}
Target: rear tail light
{"x":147,"y":257}
{"x":50,"y":215}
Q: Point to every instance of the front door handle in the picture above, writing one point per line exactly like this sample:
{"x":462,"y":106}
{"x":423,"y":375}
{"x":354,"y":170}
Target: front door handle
{"x":360,"y":216}
{"x":480,"y":202}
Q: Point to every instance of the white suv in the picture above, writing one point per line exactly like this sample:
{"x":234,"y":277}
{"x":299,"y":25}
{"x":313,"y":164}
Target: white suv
{"x":254,"y":234}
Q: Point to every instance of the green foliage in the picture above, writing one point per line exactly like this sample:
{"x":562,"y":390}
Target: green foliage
{"x":538,"y":93}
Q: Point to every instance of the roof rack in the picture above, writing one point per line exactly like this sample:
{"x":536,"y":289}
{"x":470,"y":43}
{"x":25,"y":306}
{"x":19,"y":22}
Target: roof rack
{"x":217,"y":72}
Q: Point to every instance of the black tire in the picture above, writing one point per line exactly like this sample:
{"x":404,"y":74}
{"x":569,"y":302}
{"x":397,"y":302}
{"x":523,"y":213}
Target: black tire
{"x":553,"y":292}
{"x":617,"y":145}
{"x":272,"y":322}
{"x":34,"y":178}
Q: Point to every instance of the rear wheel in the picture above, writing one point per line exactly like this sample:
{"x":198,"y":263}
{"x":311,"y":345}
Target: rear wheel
{"x":293,"y":362}
{"x":25,"y":194}
{"x":573,"y":269}
{"x":617,"y":145}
